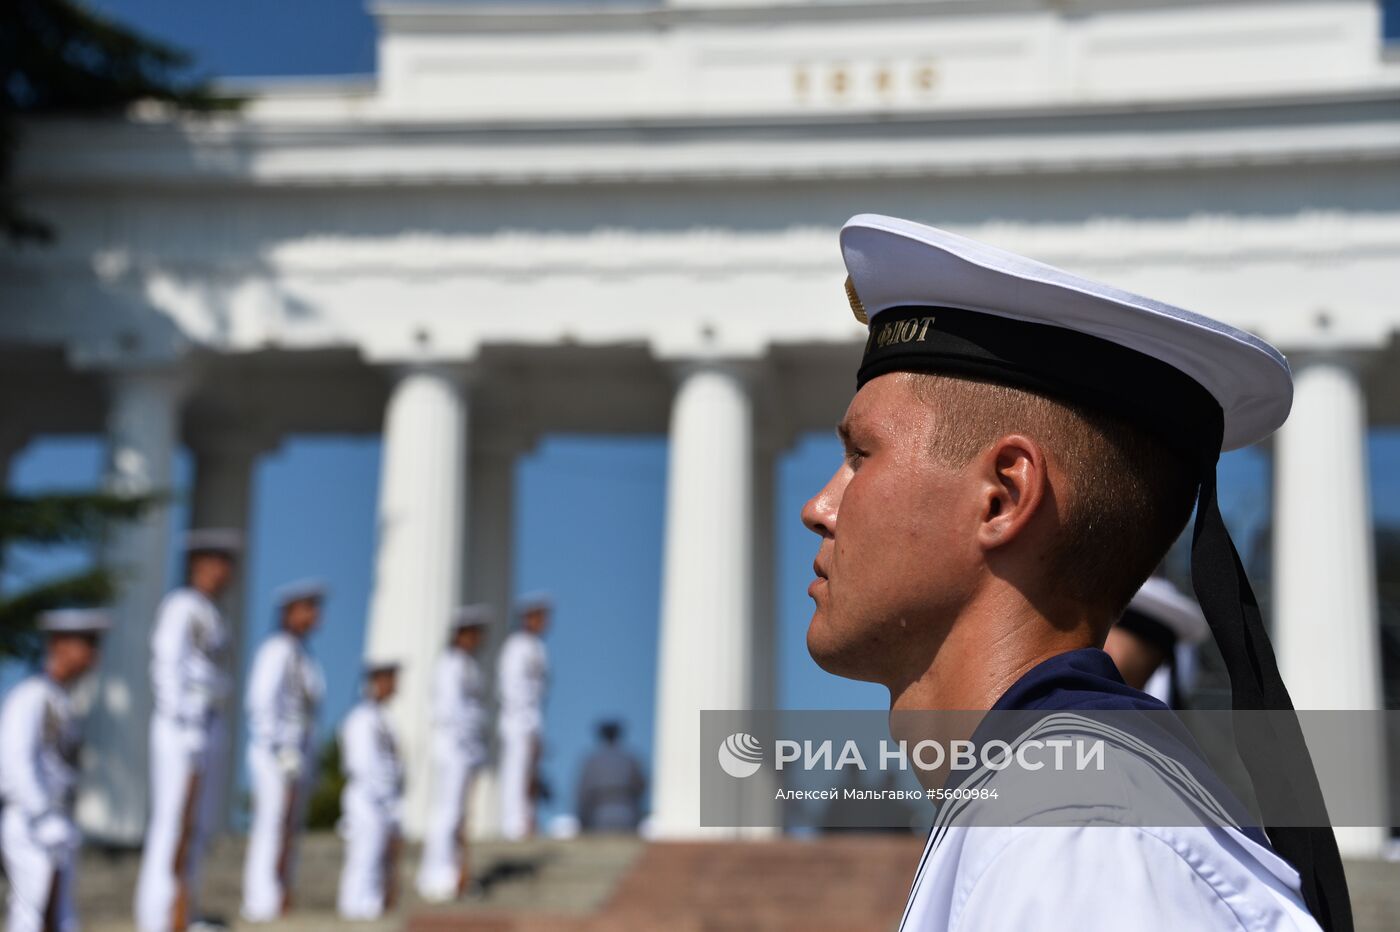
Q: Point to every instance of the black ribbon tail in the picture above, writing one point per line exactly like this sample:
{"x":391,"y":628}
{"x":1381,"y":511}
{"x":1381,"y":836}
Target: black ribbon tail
{"x":1229,"y":605}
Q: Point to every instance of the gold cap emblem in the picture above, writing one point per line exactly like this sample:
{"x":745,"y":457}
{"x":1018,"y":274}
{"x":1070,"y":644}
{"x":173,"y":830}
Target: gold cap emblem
{"x":857,"y":308}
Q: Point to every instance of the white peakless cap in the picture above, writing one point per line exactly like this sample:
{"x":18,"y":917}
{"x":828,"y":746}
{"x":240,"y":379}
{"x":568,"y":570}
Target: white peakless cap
{"x":897,"y":264}
{"x":298,"y":590}
{"x":225,"y":540}
{"x":477,"y":615}
{"x":1158,"y":600}
{"x":74,"y":621}
{"x":377,"y":665}
{"x":533,"y":602}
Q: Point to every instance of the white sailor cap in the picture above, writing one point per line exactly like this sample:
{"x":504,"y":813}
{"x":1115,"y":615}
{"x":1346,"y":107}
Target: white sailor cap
{"x":1160,"y":602}
{"x":74,"y":621}
{"x":225,"y":540}
{"x":901,"y":271}
{"x":299,"y":590}
{"x":373,"y":666}
{"x":476,"y":615}
{"x":534,"y":602}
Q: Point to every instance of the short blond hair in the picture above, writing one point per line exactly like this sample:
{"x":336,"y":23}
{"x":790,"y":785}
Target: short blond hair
{"x":1129,"y":494}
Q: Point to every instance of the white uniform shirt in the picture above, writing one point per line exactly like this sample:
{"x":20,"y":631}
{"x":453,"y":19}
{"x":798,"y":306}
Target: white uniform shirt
{"x":284,"y":689}
{"x":189,"y":646}
{"x":459,"y":700}
{"x":523,"y":678}
{"x":1097,"y":877}
{"x":370,"y":757}
{"x":39,"y":741}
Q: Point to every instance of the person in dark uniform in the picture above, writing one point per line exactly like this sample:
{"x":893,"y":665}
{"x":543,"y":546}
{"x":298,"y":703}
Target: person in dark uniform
{"x":610,"y":786}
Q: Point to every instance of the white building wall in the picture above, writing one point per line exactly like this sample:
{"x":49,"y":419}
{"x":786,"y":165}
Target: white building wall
{"x":720,"y":58}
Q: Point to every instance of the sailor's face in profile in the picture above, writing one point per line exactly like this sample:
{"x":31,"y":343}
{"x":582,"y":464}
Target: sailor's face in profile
{"x":898,"y":550}
{"x":536,"y":621}
{"x":301,"y":616}
{"x":74,"y":654}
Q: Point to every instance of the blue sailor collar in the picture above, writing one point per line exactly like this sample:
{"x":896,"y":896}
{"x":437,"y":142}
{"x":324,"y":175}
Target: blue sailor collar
{"x":1088,"y":680}
{"x":1077,"y":679}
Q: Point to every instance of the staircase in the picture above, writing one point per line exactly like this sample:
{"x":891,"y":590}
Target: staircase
{"x":855,"y":884}
{"x":562,"y":879}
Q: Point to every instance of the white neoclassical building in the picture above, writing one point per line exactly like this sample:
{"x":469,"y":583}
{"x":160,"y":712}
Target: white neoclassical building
{"x":622,"y":217}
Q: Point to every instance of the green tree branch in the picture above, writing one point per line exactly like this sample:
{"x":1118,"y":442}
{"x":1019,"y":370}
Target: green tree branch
{"x":57,"y":57}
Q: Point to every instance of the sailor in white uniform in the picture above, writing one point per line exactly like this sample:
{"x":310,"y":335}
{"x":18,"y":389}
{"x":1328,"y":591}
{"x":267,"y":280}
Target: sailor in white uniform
{"x":371,"y":801}
{"x":285,"y":687}
{"x":1154,"y":643}
{"x":188,"y":736}
{"x":39,"y":742}
{"x":522,"y":679}
{"x":459,"y":720}
{"x":1023,"y":447}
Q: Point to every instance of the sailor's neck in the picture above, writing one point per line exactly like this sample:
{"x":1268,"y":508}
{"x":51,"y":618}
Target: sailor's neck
{"x":985,"y":652}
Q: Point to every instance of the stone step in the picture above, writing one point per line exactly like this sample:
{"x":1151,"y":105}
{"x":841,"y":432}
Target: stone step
{"x":850,"y":884}
{"x":564,"y":879}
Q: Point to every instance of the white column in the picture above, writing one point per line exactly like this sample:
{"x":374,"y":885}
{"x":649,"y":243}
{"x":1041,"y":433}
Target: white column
{"x":488,"y":572}
{"x":1326,"y":625}
{"x":418,"y":562}
{"x":142,"y":428}
{"x":763,"y":644}
{"x":223,"y":495}
{"x":706,"y":602}
{"x":488,"y":567}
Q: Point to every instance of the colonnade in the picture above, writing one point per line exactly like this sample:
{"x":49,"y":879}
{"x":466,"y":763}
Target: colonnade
{"x":445,"y":530}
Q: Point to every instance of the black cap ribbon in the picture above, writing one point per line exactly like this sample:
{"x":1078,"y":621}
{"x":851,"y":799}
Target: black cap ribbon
{"x":1229,"y":605}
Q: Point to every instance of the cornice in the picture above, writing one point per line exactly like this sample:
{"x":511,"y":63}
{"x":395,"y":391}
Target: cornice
{"x":1336,"y":128}
{"x":389,"y":126}
{"x":413,"y":269}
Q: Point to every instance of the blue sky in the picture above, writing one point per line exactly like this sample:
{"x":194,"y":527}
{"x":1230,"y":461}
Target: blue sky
{"x":251,"y":38}
{"x":314,"y":498}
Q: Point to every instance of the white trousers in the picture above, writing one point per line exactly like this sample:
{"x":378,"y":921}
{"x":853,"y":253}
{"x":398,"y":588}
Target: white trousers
{"x":171,"y":768}
{"x":367,"y":830}
{"x":32,"y":872}
{"x":517,"y":804}
{"x":262,"y":885}
{"x":452,"y":769}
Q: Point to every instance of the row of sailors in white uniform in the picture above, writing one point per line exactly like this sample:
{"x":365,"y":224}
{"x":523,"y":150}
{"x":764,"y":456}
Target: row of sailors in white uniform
{"x":188,"y":735}
{"x":40,"y":735}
